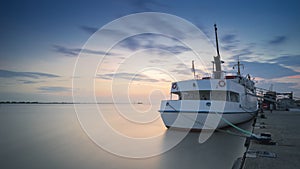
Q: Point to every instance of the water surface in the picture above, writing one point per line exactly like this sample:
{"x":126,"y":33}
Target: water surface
{"x":50,"y":136}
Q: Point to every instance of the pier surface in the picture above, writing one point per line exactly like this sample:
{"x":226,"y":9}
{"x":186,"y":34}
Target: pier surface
{"x":284,"y":127}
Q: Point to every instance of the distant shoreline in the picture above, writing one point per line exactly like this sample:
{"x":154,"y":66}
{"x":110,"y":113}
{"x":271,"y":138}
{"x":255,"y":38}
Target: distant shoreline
{"x":36,"y":102}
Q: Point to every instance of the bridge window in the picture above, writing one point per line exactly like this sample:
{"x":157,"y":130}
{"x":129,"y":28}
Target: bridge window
{"x":190,"y":95}
{"x":194,"y":95}
{"x":219,"y":95}
{"x":207,"y":95}
{"x":234,"y":97}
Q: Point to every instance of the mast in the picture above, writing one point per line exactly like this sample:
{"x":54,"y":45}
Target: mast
{"x":217,"y":59}
{"x":238,"y":66}
{"x":193,"y":68}
{"x":217,"y":43}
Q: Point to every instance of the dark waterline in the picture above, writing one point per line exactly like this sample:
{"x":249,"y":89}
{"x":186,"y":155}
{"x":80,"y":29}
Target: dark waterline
{"x":49,"y":136}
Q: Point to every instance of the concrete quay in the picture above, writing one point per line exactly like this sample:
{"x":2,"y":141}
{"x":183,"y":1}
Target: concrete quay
{"x":284,"y":149}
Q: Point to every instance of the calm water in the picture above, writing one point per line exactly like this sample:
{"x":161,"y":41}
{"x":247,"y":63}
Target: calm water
{"x":50,"y":136}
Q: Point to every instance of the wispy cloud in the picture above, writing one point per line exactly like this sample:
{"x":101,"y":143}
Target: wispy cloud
{"x":229,"y":38}
{"x":279,"y":86}
{"x":176,"y":49}
{"x":278,"y":40}
{"x":267,"y":70}
{"x":88,"y":29}
{"x":244,"y":54}
{"x":30,"y":81}
{"x":128,"y":76}
{"x":66,"y":51}
{"x":207,"y":31}
{"x":132,"y":44}
{"x":288,"y":60}
{"x":54,"y":89}
{"x":294,"y":77}
{"x":182,"y":71}
{"x":75,"y":51}
{"x":229,"y":42}
{"x":151,"y":41}
{"x":142,"y":6}
{"x":34,"y":75}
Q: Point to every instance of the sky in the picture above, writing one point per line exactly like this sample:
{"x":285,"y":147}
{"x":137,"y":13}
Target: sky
{"x":51,"y":49}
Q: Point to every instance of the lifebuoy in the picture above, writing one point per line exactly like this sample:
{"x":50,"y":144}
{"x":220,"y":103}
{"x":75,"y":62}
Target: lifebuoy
{"x":174,"y":86}
{"x":222,"y":83}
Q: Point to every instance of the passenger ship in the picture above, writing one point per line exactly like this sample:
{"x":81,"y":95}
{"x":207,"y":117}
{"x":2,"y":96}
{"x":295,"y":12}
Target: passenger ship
{"x":210,"y":102}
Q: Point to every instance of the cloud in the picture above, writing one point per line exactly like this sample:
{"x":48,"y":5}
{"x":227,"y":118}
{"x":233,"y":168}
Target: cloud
{"x":131,"y":43}
{"x":176,"y":49}
{"x":151,"y":41}
{"x":228,"y":47}
{"x":181,"y":65}
{"x":128,"y":76}
{"x":89,"y":30}
{"x":288,"y":60}
{"x":267,"y":70}
{"x":142,"y":6}
{"x":66,"y":51}
{"x":229,"y":38}
{"x":54,"y":89}
{"x":75,"y":51}
{"x":207,"y":31}
{"x":294,"y":77}
{"x":30,"y":81}
{"x":229,"y":42}
{"x":279,"y":86}
{"x":156,"y":61}
{"x":34,"y":75}
{"x":278,"y":40}
{"x":243,"y":53}
{"x":182,"y":71}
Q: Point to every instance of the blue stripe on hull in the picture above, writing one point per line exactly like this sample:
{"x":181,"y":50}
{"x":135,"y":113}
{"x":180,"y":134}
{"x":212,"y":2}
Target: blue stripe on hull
{"x":204,"y":112}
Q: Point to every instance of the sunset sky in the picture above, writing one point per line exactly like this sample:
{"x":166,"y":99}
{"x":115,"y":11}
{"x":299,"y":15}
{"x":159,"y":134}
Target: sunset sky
{"x":41,"y":43}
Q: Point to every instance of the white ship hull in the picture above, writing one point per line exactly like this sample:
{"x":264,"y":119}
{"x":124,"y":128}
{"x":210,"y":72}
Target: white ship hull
{"x":198,"y":120}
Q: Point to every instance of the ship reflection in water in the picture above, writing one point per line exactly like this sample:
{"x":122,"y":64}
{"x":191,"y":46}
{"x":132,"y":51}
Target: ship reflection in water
{"x":49,"y":136}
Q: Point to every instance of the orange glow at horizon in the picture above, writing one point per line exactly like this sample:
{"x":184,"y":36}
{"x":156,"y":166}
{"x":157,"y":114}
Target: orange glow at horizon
{"x":294,"y":77}
{"x":146,"y":92}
